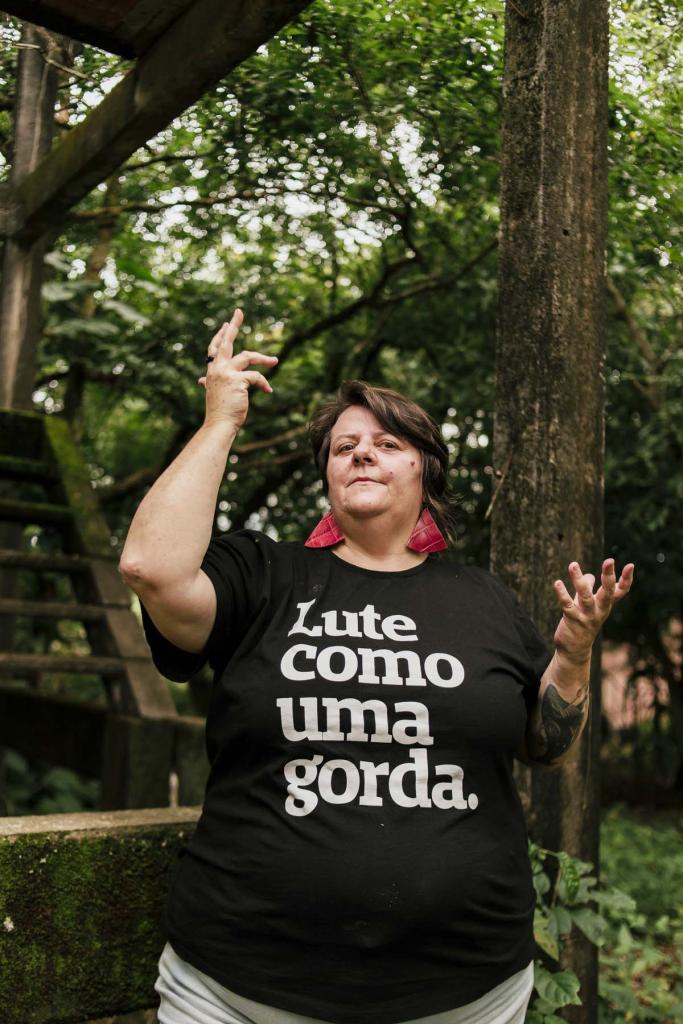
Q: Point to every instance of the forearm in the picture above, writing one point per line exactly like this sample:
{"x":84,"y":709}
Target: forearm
{"x":173,"y":524}
{"x":561,"y":711}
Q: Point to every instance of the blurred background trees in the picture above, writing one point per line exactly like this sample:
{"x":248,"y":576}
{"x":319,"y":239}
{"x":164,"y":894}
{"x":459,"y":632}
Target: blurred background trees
{"x":341,"y":188}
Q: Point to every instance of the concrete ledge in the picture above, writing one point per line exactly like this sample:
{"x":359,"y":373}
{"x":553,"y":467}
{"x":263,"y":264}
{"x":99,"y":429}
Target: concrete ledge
{"x":81,"y":911}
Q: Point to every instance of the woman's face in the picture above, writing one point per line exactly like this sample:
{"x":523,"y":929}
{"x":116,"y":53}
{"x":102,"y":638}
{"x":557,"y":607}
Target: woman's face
{"x":361,"y":447}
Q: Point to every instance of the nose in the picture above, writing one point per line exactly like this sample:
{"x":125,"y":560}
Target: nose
{"x":362,"y":452}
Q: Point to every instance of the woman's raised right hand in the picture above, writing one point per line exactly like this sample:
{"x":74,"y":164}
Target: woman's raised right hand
{"x":227,"y":378}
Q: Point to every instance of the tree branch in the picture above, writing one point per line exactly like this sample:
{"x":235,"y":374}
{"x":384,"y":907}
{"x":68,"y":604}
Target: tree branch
{"x":341,"y":315}
{"x":402,"y":189}
{"x":441,"y":281}
{"x":373,"y":299}
{"x":268,"y":442}
{"x":112,"y":212}
{"x":139,"y":479}
{"x":166,"y":158}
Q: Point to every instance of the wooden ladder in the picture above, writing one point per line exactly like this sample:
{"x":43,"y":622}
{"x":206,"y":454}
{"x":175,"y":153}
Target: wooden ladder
{"x":60,"y":534}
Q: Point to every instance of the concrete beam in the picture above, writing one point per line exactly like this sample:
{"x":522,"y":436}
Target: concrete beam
{"x":126,"y":27}
{"x":549,"y":427}
{"x":210,"y":39}
{"x":22,"y":264}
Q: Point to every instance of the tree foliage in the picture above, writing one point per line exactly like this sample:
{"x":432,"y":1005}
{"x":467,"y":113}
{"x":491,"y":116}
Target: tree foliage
{"x":341,"y":186}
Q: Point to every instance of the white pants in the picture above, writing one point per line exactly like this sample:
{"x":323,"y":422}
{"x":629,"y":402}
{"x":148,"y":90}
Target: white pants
{"x":188,"y":996}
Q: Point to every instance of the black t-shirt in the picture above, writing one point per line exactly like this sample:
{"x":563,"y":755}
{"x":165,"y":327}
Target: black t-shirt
{"x":361,"y":856}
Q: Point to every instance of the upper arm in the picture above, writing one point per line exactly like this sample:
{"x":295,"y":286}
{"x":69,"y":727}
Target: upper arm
{"x":184,"y":613}
{"x":209,"y":617}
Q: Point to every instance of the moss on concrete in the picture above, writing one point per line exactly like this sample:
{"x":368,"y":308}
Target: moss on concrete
{"x":81,"y":919}
{"x":77,"y":488}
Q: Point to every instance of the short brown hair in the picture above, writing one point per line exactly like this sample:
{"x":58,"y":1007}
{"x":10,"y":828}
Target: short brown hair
{"x":404,"y":418}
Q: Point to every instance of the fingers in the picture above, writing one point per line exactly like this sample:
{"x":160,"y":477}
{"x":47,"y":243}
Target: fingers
{"x":222,"y":341}
{"x":228,"y":334}
{"x":242,"y":360}
{"x":245,"y":358}
{"x":609,"y":581}
{"x":610,"y":590}
{"x":256,"y":378}
{"x":221,"y":345}
{"x":625,"y":581}
{"x":221,"y":350}
{"x":215,"y":342}
{"x":563,"y":596}
{"x":583,"y":584}
{"x":605,"y":595}
{"x":251,"y":375}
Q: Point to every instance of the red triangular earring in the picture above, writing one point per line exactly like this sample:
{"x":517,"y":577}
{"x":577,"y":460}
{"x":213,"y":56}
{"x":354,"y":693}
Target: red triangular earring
{"x":326,"y":533}
{"x":425,"y":537}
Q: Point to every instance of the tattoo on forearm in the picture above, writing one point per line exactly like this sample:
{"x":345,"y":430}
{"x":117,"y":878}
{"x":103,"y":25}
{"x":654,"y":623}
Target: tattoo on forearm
{"x":556,"y":725}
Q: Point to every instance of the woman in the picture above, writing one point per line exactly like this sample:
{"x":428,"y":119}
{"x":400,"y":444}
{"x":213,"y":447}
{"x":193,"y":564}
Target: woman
{"x":361,"y":857}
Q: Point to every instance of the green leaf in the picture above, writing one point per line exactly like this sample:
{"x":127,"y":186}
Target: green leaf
{"x":537,"y":1017}
{"x":541,"y":883}
{"x":58,"y":291}
{"x":129,"y":266}
{"x":126,"y":312}
{"x":570,"y":878}
{"x":96,"y":327}
{"x":615,"y":900}
{"x":152,"y":287}
{"x":562,"y":919}
{"x":56,"y":259}
{"x":559,"y":988}
{"x":593,"y":925}
{"x":544,"y":934}
{"x":625,"y":940}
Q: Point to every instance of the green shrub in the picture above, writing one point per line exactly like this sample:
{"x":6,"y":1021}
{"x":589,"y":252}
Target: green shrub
{"x":33,"y":787}
{"x":641,"y":967}
{"x":634,"y":915}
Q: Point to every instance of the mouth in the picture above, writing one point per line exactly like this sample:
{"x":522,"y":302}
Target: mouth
{"x":364,"y":480}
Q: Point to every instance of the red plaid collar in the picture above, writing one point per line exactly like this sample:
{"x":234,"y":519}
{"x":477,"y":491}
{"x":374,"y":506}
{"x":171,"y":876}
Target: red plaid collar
{"x":425,"y":537}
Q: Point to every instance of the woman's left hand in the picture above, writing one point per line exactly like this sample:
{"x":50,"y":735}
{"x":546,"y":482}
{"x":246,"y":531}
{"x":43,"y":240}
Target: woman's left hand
{"x":584,"y":614}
